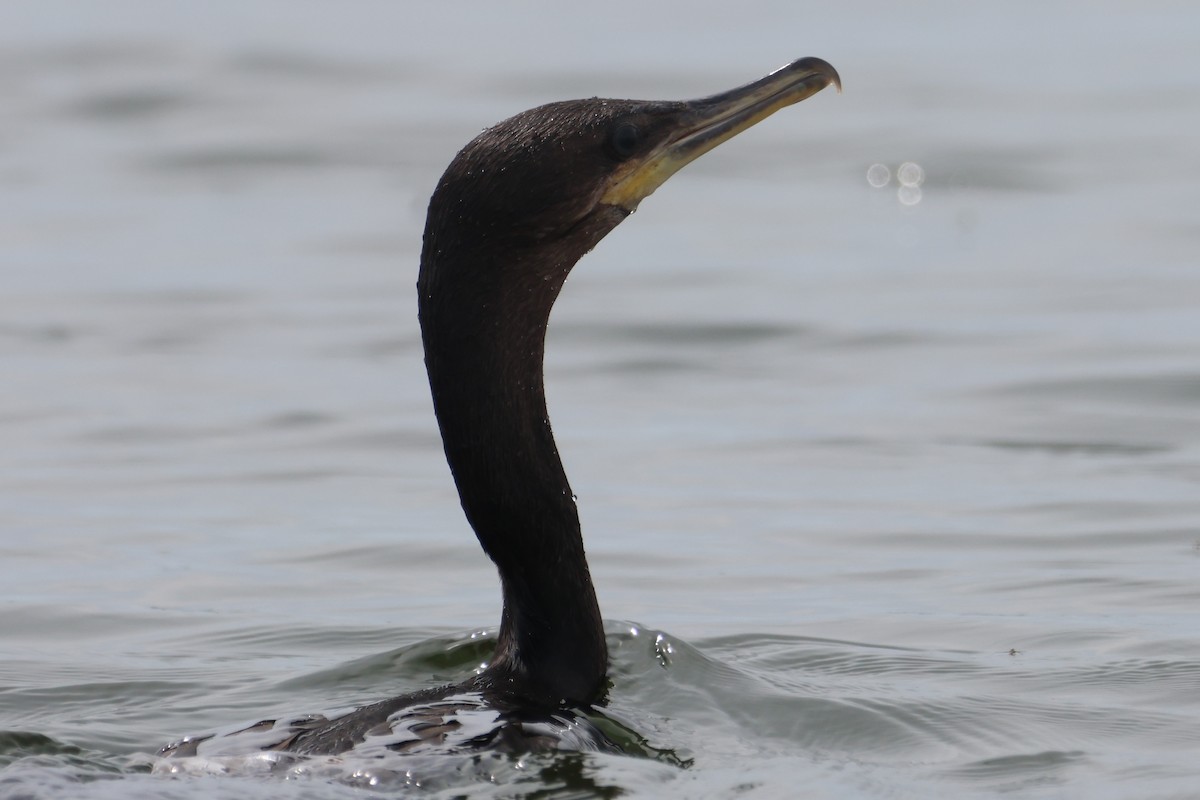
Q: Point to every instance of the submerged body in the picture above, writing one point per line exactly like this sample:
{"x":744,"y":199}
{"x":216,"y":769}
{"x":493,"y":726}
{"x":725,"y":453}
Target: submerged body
{"x":513,"y":213}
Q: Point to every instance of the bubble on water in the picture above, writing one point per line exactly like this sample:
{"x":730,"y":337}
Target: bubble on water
{"x":910,"y":173}
{"x":909,"y":195}
{"x":878,"y":175}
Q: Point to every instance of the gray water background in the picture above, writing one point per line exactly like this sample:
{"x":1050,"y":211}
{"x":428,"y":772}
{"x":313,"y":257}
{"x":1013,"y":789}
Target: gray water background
{"x":901,"y":499}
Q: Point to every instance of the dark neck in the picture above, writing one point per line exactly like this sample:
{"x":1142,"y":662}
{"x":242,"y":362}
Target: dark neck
{"x":483,"y":323}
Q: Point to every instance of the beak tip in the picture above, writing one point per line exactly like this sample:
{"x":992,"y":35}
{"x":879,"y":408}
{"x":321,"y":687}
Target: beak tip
{"x":818,"y":66}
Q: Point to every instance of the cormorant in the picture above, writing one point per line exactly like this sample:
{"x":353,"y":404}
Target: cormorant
{"x":513,"y":213}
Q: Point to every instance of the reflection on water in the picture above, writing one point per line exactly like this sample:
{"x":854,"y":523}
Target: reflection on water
{"x":906,"y":491}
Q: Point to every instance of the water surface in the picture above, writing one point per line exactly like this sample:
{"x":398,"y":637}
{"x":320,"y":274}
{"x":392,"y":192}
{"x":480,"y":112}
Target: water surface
{"x":885,"y":495}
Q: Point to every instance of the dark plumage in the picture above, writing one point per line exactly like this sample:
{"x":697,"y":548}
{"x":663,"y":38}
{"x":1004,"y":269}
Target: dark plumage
{"x":513,"y":213}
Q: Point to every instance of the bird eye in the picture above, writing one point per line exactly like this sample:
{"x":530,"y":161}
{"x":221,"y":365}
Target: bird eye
{"x":625,"y":140}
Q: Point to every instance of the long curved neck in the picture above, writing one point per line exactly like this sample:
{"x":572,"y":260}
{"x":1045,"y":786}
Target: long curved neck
{"x":483,"y":322}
